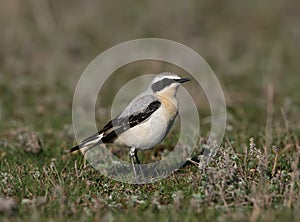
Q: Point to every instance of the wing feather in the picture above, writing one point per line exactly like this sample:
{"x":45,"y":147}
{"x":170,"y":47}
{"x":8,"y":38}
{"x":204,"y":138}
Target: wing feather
{"x":140,"y":109}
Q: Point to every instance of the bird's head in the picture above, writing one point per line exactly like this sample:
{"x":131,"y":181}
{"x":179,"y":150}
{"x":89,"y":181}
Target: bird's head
{"x":166,"y":84}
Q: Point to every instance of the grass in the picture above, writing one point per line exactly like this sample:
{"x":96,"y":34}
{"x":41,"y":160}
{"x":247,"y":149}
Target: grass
{"x":253,"y":48}
{"x":232,"y":185}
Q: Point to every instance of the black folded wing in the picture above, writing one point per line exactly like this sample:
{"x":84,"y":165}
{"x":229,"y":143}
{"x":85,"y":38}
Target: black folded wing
{"x":118,"y":126}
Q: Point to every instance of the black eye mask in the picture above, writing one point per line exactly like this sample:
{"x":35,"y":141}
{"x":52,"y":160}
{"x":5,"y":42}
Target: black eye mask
{"x":162,"y":84}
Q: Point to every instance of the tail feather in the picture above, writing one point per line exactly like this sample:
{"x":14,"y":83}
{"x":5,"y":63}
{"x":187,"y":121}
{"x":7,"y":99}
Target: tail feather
{"x":73,"y":149}
{"x":88,"y":143}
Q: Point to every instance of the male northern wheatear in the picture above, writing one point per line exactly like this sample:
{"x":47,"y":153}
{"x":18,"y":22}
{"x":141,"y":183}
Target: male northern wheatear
{"x":145,"y":121}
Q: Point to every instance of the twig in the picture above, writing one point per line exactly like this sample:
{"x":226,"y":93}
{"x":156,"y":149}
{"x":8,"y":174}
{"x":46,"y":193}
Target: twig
{"x":269,"y":122}
{"x":275,"y":162}
{"x":43,"y":16}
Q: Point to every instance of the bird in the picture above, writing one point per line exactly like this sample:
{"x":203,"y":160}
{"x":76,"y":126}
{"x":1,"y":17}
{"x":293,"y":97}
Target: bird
{"x":145,"y":122}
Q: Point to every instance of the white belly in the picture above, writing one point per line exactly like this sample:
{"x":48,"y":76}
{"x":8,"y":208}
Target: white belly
{"x":148,"y":134}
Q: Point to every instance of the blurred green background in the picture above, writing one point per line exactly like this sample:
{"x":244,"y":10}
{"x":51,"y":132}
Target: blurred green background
{"x":45,"y":46}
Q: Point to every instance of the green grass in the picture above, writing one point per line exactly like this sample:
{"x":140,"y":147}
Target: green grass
{"x":250,"y":47}
{"x":232,"y":186}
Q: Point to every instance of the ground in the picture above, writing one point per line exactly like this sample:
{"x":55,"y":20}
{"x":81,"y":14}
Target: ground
{"x":252,"y":47}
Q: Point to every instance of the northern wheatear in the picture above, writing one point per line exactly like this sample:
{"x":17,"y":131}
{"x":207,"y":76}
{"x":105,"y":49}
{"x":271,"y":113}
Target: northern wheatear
{"x":145,"y":121}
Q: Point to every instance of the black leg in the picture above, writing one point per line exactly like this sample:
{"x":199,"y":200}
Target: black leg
{"x":136,"y":157}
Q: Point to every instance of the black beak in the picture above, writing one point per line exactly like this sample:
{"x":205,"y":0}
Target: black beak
{"x":182,"y":80}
